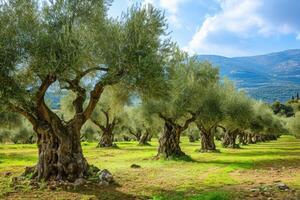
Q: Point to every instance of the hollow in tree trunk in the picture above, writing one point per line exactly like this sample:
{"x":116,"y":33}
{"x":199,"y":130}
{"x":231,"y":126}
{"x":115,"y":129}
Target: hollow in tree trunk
{"x":169,"y":141}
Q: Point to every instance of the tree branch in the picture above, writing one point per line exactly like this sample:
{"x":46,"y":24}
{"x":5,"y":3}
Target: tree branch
{"x":84,"y":73}
{"x":169,"y":120}
{"x":187,"y":123}
{"x":94,"y":98}
{"x":98,"y":124}
{"x":42,"y":109}
{"x":106,"y":116}
{"x":32,"y":119}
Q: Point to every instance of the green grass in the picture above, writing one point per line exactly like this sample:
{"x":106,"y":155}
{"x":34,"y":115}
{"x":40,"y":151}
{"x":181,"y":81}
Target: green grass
{"x":206,"y":176}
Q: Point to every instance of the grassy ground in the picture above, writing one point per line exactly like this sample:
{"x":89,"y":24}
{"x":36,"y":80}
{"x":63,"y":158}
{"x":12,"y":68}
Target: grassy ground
{"x":231,"y":174}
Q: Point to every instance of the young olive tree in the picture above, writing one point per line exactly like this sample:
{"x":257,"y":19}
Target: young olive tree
{"x":238,"y":113}
{"x":107,"y":114}
{"x":265,"y":125}
{"x":210,"y":113}
{"x":140,"y":123}
{"x":72,"y":46}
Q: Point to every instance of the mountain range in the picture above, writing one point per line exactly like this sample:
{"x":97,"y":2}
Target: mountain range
{"x":269,"y":77}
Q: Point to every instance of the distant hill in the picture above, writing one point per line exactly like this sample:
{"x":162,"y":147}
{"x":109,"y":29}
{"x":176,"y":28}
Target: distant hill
{"x":274,"y":76}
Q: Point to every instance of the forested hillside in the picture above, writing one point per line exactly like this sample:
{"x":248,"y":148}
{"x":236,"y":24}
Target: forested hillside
{"x":268,"y":77}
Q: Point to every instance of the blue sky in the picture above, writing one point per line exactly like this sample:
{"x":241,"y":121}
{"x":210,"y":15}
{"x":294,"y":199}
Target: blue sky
{"x":228,"y":27}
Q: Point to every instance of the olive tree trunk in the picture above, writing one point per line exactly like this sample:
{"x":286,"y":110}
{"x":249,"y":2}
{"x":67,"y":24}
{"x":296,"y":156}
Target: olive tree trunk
{"x":207,"y":141}
{"x":144,"y":138}
{"x":60,"y":154}
{"x":242,"y":138}
{"x":229,"y":139}
{"x":169,"y":141}
{"x":107,"y":138}
{"x":170,"y":138}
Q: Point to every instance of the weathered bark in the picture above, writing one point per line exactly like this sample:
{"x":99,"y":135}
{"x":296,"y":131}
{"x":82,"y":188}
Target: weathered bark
{"x":207,"y":141}
{"x":249,"y":137}
{"x":149,"y":137}
{"x":242,"y":138}
{"x":137,"y":134}
{"x":207,"y":138}
{"x":169,"y":141}
{"x":60,"y":158}
{"x":60,"y":154}
{"x":229,"y":139}
{"x":106,"y":139}
{"x":144,"y":138}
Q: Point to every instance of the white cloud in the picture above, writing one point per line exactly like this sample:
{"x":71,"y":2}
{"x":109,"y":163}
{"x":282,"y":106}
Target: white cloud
{"x":243,"y":19}
{"x":298,"y":37}
{"x":172,"y":9}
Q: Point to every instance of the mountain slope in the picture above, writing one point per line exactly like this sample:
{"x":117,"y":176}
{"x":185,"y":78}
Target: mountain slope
{"x":267,"y":77}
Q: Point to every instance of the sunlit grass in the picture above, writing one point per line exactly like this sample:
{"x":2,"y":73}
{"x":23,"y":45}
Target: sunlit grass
{"x":168,"y":179}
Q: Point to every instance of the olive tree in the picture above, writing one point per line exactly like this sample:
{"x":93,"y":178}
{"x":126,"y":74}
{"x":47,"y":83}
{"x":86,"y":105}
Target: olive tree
{"x":238,"y":112}
{"x":294,"y":125}
{"x":188,"y":81}
{"x":210,"y":112}
{"x":140,"y":124}
{"x":73,"y":46}
{"x":265,"y":125}
{"x":107,"y":114}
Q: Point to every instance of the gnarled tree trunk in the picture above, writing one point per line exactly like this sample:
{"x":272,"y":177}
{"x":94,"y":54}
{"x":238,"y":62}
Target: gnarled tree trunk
{"x":229,"y":139}
{"x":207,"y":141}
{"x":249,"y":137}
{"x":207,"y":138}
{"x":144,"y":138}
{"x":169,"y":141}
{"x":107,"y":139}
{"x":137,"y":134}
{"x":242,"y":138}
{"x":60,"y":154}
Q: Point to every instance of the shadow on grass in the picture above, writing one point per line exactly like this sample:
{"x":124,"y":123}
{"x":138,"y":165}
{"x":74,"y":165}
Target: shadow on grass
{"x":259,"y":164}
{"x":259,"y":153}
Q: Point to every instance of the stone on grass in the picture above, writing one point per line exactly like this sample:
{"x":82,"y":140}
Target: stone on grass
{"x":103,"y":183}
{"x":105,"y":177}
{"x":282,"y":186}
{"x":254,"y":189}
{"x":135,"y":166}
{"x":6,"y":174}
{"x":79,"y":182}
